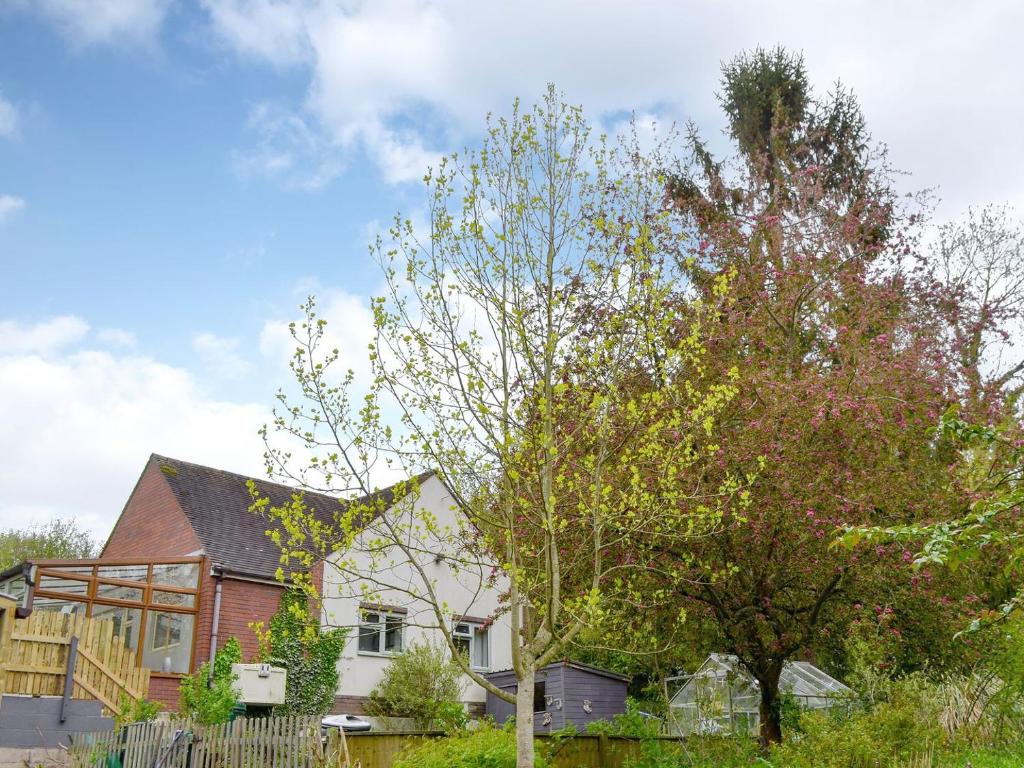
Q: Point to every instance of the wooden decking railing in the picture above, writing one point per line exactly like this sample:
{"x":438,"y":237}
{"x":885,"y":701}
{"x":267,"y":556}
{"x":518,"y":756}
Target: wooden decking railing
{"x":34,"y":660}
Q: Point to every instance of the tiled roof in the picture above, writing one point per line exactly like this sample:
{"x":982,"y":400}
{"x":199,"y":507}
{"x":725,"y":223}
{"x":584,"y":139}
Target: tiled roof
{"x":217,"y":503}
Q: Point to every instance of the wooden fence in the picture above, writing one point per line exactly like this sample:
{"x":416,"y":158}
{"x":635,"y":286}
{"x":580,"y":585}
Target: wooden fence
{"x":379,"y":750}
{"x":294,"y":742}
{"x":34,"y":660}
{"x":280,"y":742}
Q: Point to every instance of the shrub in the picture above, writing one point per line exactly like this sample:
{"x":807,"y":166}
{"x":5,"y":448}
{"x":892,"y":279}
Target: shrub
{"x":485,"y":747}
{"x":654,"y":751}
{"x":633,"y":723}
{"x":310,"y":655}
{"x":136,"y":711}
{"x":210,"y":705}
{"x":724,"y":752}
{"x":893,"y":731}
{"x":422,"y":683}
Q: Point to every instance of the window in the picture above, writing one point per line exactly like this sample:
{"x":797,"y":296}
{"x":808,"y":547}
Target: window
{"x":166,"y":631}
{"x":380,"y":632}
{"x":118,"y":592}
{"x":186,"y":599}
{"x":71,"y":586}
{"x":540,"y":703}
{"x":168,"y":646}
{"x":57,"y":605}
{"x":177,"y":575}
{"x":474,"y":641}
{"x":125,"y":621}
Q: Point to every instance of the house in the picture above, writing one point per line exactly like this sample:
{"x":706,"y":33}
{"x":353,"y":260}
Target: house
{"x":395,"y":615}
{"x":723,"y":697}
{"x":564,"y":693}
{"x":188,"y":565}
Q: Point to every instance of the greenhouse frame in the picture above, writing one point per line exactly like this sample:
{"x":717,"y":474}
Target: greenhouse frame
{"x":722,"y":697}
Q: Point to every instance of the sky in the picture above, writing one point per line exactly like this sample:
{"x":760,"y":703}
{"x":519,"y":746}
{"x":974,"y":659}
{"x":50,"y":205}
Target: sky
{"x":176,"y":176}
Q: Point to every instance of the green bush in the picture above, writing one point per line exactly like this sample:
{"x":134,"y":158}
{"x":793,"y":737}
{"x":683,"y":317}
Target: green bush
{"x":485,"y":747}
{"x":210,"y":705}
{"x":722,"y":752}
{"x":136,"y":711}
{"x":423,"y":683}
{"x":654,"y":751}
{"x":632,"y":723}
{"x":892,"y":732}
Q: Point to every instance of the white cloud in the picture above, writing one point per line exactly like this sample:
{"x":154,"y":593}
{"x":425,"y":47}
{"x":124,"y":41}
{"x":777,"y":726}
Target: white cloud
{"x":264,"y":29}
{"x":84,"y":422}
{"x":221,"y":356}
{"x":10,"y":205}
{"x":8,"y":119}
{"x":403,"y":79}
{"x":100,"y":22}
{"x":350,"y":330}
{"x":289,"y":149}
{"x":42,"y":338}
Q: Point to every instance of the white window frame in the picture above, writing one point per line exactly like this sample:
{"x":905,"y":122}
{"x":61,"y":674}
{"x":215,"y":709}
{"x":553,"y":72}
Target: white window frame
{"x":171,"y":616}
{"x":381,"y":624}
{"x":475,"y":628}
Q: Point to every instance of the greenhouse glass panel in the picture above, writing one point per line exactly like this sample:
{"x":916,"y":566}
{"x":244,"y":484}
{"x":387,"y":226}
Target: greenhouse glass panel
{"x":722,"y":697}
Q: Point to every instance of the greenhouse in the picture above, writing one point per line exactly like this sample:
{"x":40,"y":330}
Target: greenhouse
{"x":722,"y":697}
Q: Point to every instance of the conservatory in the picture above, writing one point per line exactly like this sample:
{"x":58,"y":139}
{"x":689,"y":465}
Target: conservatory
{"x":722,"y":697}
{"x":152,"y":603}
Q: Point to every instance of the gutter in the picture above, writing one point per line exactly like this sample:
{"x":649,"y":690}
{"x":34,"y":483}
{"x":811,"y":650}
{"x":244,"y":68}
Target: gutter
{"x":217,"y":572}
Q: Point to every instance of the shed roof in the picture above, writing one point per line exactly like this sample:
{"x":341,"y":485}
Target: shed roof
{"x":573,"y":665}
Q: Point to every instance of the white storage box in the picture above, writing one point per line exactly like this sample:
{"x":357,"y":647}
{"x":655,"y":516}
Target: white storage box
{"x":260,"y":684}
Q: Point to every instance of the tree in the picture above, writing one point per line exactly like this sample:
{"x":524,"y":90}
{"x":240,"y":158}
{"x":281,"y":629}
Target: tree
{"x":424,"y":683}
{"x":294,"y":640}
{"x":973,"y":279}
{"x":841,"y":380}
{"x":501,"y":339}
{"x":57,"y":539}
{"x":991,"y":469}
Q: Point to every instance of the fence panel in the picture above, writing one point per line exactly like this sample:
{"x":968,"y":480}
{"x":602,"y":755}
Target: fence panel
{"x":289,"y":742}
{"x":34,"y":660}
{"x":294,"y":742}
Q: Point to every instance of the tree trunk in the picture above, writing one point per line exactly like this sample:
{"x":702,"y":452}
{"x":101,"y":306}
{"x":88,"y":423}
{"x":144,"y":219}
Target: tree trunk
{"x":524,"y":722}
{"x":770,"y":709}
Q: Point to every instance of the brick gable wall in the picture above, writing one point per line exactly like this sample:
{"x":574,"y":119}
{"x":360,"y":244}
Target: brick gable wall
{"x":152,"y":523}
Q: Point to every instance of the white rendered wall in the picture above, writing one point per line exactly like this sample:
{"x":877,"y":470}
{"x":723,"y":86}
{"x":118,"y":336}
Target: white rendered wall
{"x":464,"y":593}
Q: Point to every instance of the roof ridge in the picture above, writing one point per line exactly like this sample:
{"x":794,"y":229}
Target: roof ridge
{"x":419,"y":476}
{"x":218,"y":506}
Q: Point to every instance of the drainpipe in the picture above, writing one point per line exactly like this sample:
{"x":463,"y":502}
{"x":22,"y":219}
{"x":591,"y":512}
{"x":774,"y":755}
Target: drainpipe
{"x":217,"y":571}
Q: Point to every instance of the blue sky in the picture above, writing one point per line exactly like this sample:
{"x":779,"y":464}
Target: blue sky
{"x":175,"y":175}
{"x":136,"y":213}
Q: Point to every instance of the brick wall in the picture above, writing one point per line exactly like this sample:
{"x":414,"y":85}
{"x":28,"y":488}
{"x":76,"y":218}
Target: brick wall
{"x":165,"y":690}
{"x":241,"y":602}
{"x":152,"y":524}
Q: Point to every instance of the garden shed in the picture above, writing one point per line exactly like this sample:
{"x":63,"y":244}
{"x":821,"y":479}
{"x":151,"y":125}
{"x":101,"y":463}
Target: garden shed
{"x":564,"y":693}
{"x":723,"y":697}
